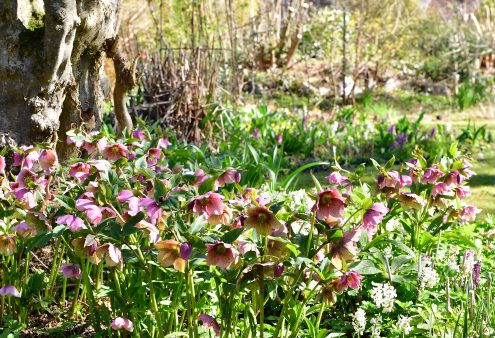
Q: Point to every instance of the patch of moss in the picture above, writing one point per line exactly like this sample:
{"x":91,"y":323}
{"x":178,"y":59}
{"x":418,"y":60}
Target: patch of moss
{"x":31,"y":39}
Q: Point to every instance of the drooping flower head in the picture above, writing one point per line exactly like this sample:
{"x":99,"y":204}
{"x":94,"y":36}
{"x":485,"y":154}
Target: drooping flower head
{"x":111,"y":254}
{"x":121,"y":323}
{"x":7,"y":244}
{"x":73,"y":222}
{"x":48,"y":160}
{"x":153,"y":156}
{"x":431,"y":175}
{"x":350,"y":279}
{"x":262,"y":219}
{"x":210,"y":203}
{"x":70,"y":271}
{"x":337,"y":179}
{"x":373,"y":216}
{"x":330,"y":206}
{"x":169,"y":254}
{"x":210,"y":322}
{"x":9,"y":290}
{"x":220,"y":254}
{"x":230,"y":175}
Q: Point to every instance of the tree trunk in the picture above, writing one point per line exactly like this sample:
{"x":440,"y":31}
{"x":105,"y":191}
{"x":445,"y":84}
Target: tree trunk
{"x":51,"y":56}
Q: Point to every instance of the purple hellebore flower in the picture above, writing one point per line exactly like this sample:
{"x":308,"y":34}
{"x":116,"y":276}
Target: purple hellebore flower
{"x":73,"y":222}
{"x":476,"y":273}
{"x":185,"y":250}
{"x":210,"y":322}
{"x":256,"y":133}
{"x":70,"y":270}
{"x":9,"y":290}
{"x":120,"y":323}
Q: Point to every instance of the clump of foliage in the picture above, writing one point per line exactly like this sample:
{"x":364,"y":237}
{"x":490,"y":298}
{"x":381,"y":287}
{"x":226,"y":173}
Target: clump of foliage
{"x":146,"y":244}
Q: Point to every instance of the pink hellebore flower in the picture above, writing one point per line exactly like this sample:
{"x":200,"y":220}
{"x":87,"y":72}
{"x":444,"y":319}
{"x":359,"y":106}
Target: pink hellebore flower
{"x":120,"y":323}
{"x":2,"y":164}
{"x":441,"y":189}
{"x":48,"y":160}
{"x":139,"y":134}
{"x":337,"y":179}
{"x":431,"y":175}
{"x":373,"y":216}
{"x":153,"y":233}
{"x":27,"y":179}
{"x":350,"y":279}
{"x":27,"y":159}
{"x":391,"y":180}
{"x":164,"y":143}
{"x":330,"y":206}
{"x":70,"y":271}
{"x":132,"y":201}
{"x":111,"y":253}
{"x":455,"y":178}
{"x":114,"y":151}
{"x":80,"y":171}
{"x":201,"y":176}
{"x":279,"y":139}
{"x":210,"y":203}
{"x":153,"y":156}
{"x":468,"y":213}
{"x":152,"y":209}
{"x":210,"y":322}
{"x":462,"y":191}
{"x":24,"y":230}
{"x":9,"y":290}
{"x":73,"y":222}
{"x":245,"y":247}
{"x":229,"y":176}
{"x":220,"y":254}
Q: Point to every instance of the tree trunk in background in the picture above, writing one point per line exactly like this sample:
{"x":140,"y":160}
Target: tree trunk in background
{"x":51,"y":56}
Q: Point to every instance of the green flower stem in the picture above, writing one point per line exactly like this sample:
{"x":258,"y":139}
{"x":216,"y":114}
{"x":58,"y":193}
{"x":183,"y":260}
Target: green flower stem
{"x":323,"y":307}
{"x":287,"y":298}
{"x":74,"y":300}
{"x":154,"y":305}
{"x":54,"y":269}
{"x":261,"y":308}
{"x":64,"y":288}
{"x":89,"y":291}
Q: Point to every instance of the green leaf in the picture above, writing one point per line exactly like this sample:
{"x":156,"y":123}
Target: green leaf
{"x":130,"y":226}
{"x":159,"y":188}
{"x":207,"y":185}
{"x":232,"y":235}
{"x":367,"y":267}
{"x":40,"y":241}
{"x":290,"y":178}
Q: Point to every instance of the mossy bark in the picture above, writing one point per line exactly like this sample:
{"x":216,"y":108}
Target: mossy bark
{"x":50,"y":66}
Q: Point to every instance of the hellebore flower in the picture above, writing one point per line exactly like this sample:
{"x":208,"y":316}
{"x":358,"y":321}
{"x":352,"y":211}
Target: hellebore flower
{"x":468,"y":213}
{"x":225,"y":218}
{"x":345,"y":249}
{"x":27,"y":158}
{"x":262,"y":219}
{"x":80,"y":171}
{"x":2,"y":165}
{"x":441,"y":189}
{"x":350,"y":279}
{"x":256,"y":133}
{"x":330,"y":206}
{"x":153,"y":233}
{"x":210,"y":322}
{"x":164,"y":142}
{"x":245,"y":247}
{"x":7,"y":244}
{"x":27,"y":179}
{"x":201,"y":176}
{"x":229,"y":176}
{"x":153,"y":156}
{"x":411,"y":200}
{"x":9,"y":290}
{"x":73,"y":222}
{"x":70,"y":271}
{"x":110,"y":253}
{"x":24,"y":230}
{"x":48,"y":160}
{"x":114,"y":151}
{"x":455,"y":178}
{"x":431,"y":175}
{"x":337,"y":179}
{"x":186,"y":250}
{"x":139,"y":134}
{"x":373,"y":216}
{"x":462,"y":191}
{"x":152,"y":209}
{"x":169,"y":254}
{"x":210,"y":203}
{"x":279,"y":139}
{"x":120,"y":323}
{"x":220,"y":254}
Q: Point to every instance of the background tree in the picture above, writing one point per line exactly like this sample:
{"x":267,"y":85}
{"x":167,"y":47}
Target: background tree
{"x":50,"y":66}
